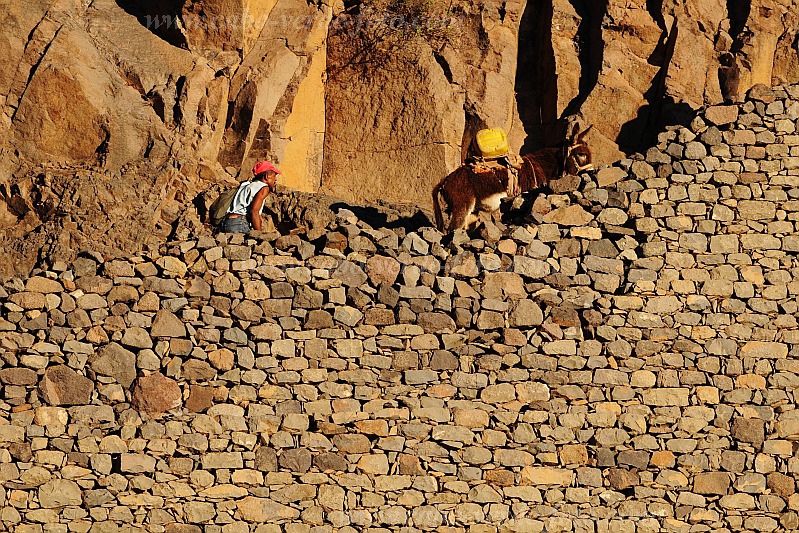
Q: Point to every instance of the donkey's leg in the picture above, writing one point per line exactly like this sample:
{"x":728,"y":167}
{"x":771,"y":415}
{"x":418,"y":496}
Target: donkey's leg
{"x":461,"y":215}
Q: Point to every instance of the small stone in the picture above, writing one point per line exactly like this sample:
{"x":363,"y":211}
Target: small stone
{"x":722,"y":114}
{"x":166,"y":324}
{"x":574,"y":454}
{"x":526,"y":313}
{"x":373,"y":464}
{"x":63,"y":386}
{"x":331,"y":462}
{"x":751,"y":430}
{"x":762,"y":349}
{"x":248,"y":311}
{"x":620,"y":478}
{"x":222,"y":359}
{"x":740,"y":502}
{"x":782,"y":485}
{"x":60,"y":493}
{"x":263,"y":510}
{"x":43,"y":285}
{"x":572,"y":215}
{"x":381,"y":269}
{"x":115,"y":361}
{"x":296,"y":460}
{"x":198,"y":288}
{"x":347,"y":315}
{"x":542,"y":475}
{"x":200,"y":398}
{"x":155,"y":394}
{"x":137,"y":337}
{"x":436,"y":322}
{"x":427,"y":517}
{"x":266,"y":459}
{"x":695,"y":150}
{"x":136,"y":463}
{"x":173,"y":266}
{"x":196,"y":370}
{"x":757,"y":210}
{"x":610,"y":175}
{"x":500,"y":393}
{"x":712,"y":483}
{"x":484,"y":494}
{"x":350,"y":274}
{"x":666,"y":397}
{"x":219,"y":460}
{"x":531,"y":268}
{"x":18,"y":376}
{"x":612,"y":216}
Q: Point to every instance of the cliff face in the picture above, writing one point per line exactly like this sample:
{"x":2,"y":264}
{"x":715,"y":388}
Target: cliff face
{"x":152,"y":102}
{"x":121,"y":114}
{"x":629,"y":362}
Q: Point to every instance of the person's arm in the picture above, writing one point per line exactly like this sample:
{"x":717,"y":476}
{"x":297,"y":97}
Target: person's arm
{"x":256,"y":205}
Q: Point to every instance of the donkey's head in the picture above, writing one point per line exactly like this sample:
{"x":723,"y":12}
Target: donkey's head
{"x":577,"y":154}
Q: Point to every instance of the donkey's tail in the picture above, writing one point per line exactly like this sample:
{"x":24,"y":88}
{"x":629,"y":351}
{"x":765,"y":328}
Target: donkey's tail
{"x":437,"y":205}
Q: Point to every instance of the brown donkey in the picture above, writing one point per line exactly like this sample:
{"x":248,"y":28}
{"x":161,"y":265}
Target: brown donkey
{"x":467,"y":189}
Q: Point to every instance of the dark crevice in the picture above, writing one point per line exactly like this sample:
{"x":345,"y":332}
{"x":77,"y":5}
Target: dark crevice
{"x":177,"y":112}
{"x":35,"y":69}
{"x":444,"y":64}
{"x":732,"y":59}
{"x":239,"y":122}
{"x":591,"y":49}
{"x":536,"y":78}
{"x":655,"y":9}
{"x":661,"y":110}
{"x":353,"y":7}
{"x":160,"y":17}
{"x":149,"y":149}
{"x":738,"y":11}
{"x":261,"y":147}
{"x":104,"y":147}
{"x":231,"y":112}
{"x":156,"y":101}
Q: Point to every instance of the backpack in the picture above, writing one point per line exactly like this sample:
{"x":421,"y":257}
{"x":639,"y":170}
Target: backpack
{"x":221,"y":206}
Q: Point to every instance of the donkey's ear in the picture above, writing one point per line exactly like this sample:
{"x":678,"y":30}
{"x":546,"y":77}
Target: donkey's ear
{"x":575,"y":131}
{"x":583,"y":134}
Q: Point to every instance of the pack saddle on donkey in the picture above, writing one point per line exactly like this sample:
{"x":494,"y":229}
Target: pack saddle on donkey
{"x":483,"y":182}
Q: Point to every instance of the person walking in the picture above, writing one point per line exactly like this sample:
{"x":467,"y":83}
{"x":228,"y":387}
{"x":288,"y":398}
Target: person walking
{"x":244,"y":214}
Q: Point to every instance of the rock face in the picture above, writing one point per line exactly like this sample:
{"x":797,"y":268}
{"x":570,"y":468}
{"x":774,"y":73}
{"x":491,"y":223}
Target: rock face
{"x":95,"y":115}
{"x":111,"y":128}
{"x":630,"y":361}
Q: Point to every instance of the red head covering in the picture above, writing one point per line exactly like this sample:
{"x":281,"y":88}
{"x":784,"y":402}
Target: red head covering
{"x":265,"y":166}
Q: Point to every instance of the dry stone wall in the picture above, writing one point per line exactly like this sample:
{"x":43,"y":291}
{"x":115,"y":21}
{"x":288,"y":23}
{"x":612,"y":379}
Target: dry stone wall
{"x":627,"y":362}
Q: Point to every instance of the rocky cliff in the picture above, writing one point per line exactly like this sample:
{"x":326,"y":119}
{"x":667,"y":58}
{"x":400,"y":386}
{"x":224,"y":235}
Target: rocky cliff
{"x":628,"y":362}
{"x":117,"y":113}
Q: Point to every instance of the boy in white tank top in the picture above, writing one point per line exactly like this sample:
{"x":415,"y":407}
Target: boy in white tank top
{"x":244,"y":213}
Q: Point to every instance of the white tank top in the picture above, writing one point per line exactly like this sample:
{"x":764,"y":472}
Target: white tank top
{"x":244,"y":196}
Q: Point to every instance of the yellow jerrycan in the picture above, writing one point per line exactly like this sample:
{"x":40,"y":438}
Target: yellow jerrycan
{"x":492,"y":142}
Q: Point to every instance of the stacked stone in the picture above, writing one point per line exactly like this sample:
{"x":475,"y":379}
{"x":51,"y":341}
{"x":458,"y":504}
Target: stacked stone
{"x":628,"y":362}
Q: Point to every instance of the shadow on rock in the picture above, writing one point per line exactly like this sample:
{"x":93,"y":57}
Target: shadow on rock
{"x":161,"y":17}
{"x":410,"y":219}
